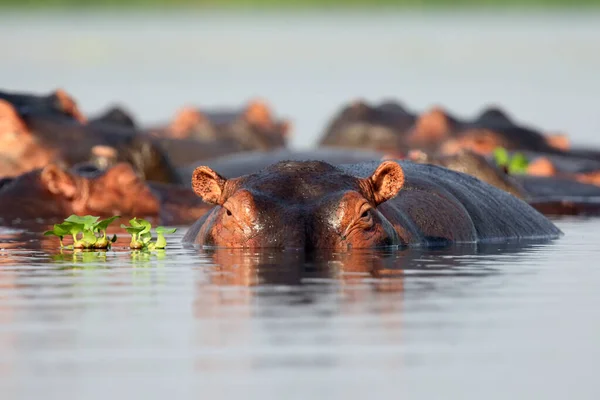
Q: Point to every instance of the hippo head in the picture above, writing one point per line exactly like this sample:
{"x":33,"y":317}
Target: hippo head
{"x":116,"y":191}
{"x":308,"y":205}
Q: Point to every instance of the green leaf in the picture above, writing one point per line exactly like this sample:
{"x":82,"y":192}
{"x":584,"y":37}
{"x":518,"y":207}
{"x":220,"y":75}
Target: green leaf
{"x":133,"y":230}
{"x":113,"y":239}
{"x":145,"y":237}
{"x":161,"y":242}
{"x":102,"y":225}
{"x":139,"y":222}
{"x":164,"y":230}
{"x":89,"y":237}
{"x":501,"y":156}
{"x":518,"y":164}
{"x":87,"y":221}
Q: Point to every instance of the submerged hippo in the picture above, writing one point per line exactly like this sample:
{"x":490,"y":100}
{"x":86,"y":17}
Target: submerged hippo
{"x":390,"y":127}
{"x":34,"y":139}
{"x":549,"y":195}
{"x":57,"y":102}
{"x":55,"y":193}
{"x":252,"y":128}
{"x":313,"y":205}
{"x":364,"y":126}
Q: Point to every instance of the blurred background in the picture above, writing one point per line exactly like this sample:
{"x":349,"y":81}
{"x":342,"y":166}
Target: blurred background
{"x":537,"y":58}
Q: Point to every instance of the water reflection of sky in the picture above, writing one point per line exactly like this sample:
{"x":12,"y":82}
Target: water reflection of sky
{"x":233,"y":322}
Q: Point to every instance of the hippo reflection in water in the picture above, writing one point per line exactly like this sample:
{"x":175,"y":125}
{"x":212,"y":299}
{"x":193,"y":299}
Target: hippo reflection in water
{"x":313,"y":204}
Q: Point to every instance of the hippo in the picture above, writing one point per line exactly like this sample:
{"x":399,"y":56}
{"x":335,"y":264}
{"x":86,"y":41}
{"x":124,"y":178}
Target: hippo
{"x":57,"y":102}
{"x":33,"y":140}
{"x":54,"y":193}
{"x":553,"y":196}
{"x":314,"y":205}
{"x":252,"y":128}
{"x":393,"y":128}
{"x":115,"y":115}
{"x":373,"y":127}
{"x":471,"y":163}
{"x":492,"y":128}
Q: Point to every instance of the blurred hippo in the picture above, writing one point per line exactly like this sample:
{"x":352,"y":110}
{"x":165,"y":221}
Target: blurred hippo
{"x":33,"y":140}
{"x":55,"y":193}
{"x":549,"y":195}
{"x":115,"y":115}
{"x":390,"y":127}
{"x":473,"y":164}
{"x":374,"y":127}
{"x":252,"y":128}
{"x":313,"y":205}
{"x":57,"y":102}
{"x":494,"y":128}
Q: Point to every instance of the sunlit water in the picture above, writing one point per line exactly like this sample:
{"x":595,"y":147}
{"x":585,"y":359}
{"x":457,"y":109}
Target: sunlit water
{"x":512,"y":322}
{"x":493,"y":322}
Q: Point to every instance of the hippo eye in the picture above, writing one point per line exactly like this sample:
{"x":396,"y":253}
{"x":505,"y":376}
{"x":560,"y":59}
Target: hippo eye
{"x":366,"y":213}
{"x":228,"y":213}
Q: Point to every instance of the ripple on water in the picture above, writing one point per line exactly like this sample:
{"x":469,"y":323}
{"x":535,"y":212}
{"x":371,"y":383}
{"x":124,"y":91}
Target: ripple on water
{"x":204,"y":318}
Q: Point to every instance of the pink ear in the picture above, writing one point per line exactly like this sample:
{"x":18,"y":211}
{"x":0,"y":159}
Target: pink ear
{"x":386,"y":181}
{"x":11,"y":122}
{"x":185,"y":120}
{"x":258,"y":113}
{"x":209,"y":185}
{"x":58,"y":181}
{"x":69,"y":106}
{"x":558,"y":141}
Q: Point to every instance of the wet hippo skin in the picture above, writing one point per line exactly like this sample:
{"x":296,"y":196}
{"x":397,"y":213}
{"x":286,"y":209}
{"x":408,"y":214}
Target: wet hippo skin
{"x":253,"y":161}
{"x":313,"y":205}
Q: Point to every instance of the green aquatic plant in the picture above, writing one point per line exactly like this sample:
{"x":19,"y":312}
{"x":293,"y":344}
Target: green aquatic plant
{"x":517,"y":164}
{"x":88,"y":232}
{"x":141,"y":235}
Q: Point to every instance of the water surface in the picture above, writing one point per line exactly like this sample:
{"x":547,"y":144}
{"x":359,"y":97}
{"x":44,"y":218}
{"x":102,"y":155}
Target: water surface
{"x":491,"y":321}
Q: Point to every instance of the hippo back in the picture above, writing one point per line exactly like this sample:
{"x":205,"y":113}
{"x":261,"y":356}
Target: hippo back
{"x":495,"y":214}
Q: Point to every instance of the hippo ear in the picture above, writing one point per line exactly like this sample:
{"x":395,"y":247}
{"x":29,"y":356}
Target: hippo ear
{"x":68,"y":105}
{"x":12,"y":125}
{"x":208,"y":185}
{"x":558,"y":141}
{"x":185,"y":120}
{"x":58,"y":181}
{"x":386,"y":181}
{"x":258,"y":113}
{"x":541,"y":166}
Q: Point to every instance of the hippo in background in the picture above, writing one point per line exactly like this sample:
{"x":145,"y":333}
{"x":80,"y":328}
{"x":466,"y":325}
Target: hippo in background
{"x":253,"y":127}
{"x":31,"y":141}
{"x":57,"y":102}
{"x":391,"y":127}
{"x":549,"y":195}
{"x":37,"y":130}
{"x":314,"y":205}
{"x":369,"y":127}
{"x":115,"y":115}
{"x":54,"y":193}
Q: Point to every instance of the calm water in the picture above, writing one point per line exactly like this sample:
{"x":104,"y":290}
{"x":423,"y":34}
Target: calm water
{"x":493,"y":322}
